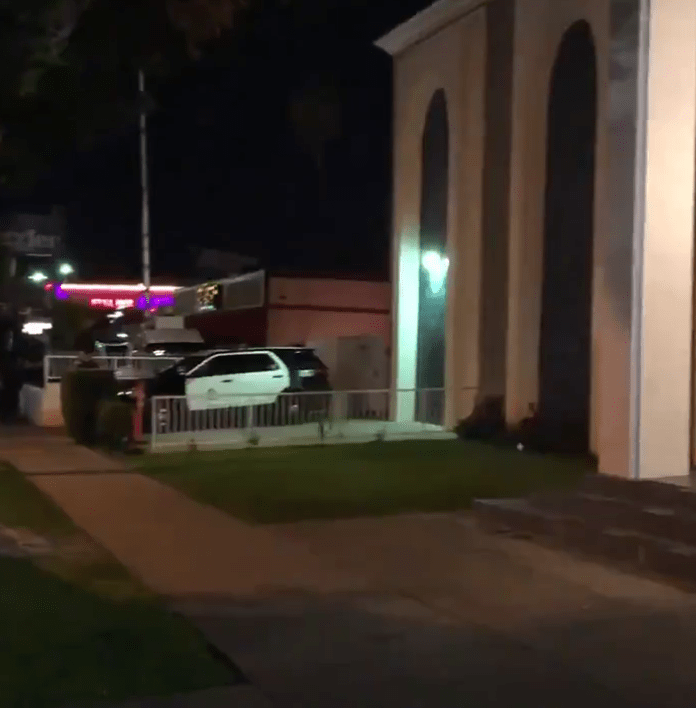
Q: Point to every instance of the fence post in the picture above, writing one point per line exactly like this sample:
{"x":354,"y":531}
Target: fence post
{"x":138,"y":419}
{"x":153,"y":423}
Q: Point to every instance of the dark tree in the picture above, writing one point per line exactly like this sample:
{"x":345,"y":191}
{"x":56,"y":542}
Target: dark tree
{"x":68,"y":68}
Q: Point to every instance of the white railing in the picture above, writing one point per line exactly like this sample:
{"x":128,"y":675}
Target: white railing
{"x":180,"y":422}
{"x":55,"y":365}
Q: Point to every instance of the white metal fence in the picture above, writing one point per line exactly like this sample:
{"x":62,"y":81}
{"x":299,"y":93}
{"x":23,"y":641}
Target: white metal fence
{"x":55,"y":365}
{"x":178,"y":422}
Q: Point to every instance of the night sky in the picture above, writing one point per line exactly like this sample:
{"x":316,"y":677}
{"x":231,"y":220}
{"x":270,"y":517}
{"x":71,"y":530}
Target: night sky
{"x":230,"y":169}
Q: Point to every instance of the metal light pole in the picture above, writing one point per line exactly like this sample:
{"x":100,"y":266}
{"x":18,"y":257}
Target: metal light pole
{"x":145,"y":189}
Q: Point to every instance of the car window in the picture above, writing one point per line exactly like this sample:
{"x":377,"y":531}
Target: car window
{"x":230,"y":364}
{"x":258,"y":362}
{"x":211,"y":366}
{"x":222,"y":366}
{"x":186,"y":364}
{"x":300,"y":358}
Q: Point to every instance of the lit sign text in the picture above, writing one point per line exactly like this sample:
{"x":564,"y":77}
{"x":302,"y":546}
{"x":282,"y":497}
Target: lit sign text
{"x":111,"y":303}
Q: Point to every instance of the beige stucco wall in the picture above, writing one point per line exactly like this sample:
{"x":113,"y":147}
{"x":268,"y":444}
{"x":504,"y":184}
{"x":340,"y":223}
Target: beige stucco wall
{"x":539,"y":29}
{"x":642,"y":326}
{"x":640,"y":420}
{"x":452,"y":60}
{"x":42,"y":406}
{"x":664,"y":402}
{"x":496,"y":196}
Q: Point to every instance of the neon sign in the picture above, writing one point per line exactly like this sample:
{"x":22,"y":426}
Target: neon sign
{"x":117,"y":296}
{"x":111,"y":303}
{"x":209,"y":297}
{"x":105,"y":288}
{"x":156,"y":301}
{"x":124,"y":303}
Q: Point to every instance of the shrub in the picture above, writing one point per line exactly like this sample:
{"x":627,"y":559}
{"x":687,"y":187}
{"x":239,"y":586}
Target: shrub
{"x":487,"y":422}
{"x":115,"y":424}
{"x":81,"y":391}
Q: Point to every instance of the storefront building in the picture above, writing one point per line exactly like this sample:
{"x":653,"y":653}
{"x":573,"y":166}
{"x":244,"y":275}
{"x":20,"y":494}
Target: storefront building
{"x":266,"y":309}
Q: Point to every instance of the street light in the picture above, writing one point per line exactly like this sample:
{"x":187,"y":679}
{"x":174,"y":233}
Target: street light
{"x":38,"y":277}
{"x":66,"y":269}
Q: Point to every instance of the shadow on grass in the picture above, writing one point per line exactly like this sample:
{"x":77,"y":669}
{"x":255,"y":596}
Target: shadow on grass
{"x":23,"y":505}
{"x":76,"y":628}
{"x":61,"y":644}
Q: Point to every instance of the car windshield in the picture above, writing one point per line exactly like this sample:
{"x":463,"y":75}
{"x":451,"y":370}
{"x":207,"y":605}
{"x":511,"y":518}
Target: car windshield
{"x":186,"y":364}
{"x":300,"y":358}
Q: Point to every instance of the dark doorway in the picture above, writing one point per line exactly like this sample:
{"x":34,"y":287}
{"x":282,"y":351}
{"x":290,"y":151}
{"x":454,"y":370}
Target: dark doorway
{"x":565,"y":347}
{"x":432,"y":301}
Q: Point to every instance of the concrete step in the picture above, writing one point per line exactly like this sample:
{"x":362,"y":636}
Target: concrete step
{"x":673,"y":522}
{"x":646,"y":492}
{"x":634,"y":549}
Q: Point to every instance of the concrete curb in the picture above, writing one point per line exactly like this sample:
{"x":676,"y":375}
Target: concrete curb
{"x":227,"y":697}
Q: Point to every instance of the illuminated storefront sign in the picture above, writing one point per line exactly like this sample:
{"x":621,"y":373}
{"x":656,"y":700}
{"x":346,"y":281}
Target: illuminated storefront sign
{"x":115,"y":297}
{"x":90,"y":287}
{"x":209,"y":297}
{"x":29,"y":242}
{"x":111,"y":303}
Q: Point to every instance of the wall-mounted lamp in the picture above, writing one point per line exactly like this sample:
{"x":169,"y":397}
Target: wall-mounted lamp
{"x":436,"y":266}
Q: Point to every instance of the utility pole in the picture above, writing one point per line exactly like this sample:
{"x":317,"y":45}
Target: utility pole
{"x":145,"y":189}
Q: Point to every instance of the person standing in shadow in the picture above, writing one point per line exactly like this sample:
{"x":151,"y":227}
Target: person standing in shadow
{"x":11,"y":375}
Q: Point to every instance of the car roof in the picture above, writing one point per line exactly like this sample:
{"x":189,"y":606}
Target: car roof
{"x":252,"y":350}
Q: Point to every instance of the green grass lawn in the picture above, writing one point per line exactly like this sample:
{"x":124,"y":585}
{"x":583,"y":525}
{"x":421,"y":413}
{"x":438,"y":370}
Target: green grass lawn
{"x":76,"y":629}
{"x":290,"y":484}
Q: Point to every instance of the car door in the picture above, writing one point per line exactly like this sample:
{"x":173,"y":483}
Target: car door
{"x":260,"y":378}
{"x":212,"y":384}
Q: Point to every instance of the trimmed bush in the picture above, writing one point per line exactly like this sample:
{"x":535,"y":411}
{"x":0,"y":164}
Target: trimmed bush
{"x":115,"y":424}
{"x":81,"y":392}
{"x":487,"y":422}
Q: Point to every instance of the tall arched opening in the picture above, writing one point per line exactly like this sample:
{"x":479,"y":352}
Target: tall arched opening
{"x":432,"y":300}
{"x":565,"y":342}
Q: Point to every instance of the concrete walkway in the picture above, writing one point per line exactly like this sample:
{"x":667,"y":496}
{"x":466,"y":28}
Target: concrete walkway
{"x":412,"y":611}
{"x":183,"y":549}
{"x":46,"y":457}
{"x":37,"y":451}
{"x":235,"y":697}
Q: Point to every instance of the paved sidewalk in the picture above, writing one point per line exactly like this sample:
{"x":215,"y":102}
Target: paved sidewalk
{"x":234,"y":697}
{"x":455,"y":617}
{"x":183,"y":549}
{"x":420,"y":611}
{"x":37,"y":451}
{"x":416,"y":611}
{"x":44,"y":456}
